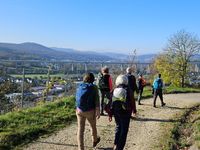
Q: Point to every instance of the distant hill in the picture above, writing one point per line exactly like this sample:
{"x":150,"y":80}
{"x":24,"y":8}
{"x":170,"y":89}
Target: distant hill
{"x":146,"y":58}
{"x":115,"y":56}
{"x":34,"y":51}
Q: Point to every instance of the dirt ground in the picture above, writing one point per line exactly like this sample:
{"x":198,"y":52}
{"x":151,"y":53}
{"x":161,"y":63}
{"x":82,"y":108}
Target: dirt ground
{"x":144,"y":132}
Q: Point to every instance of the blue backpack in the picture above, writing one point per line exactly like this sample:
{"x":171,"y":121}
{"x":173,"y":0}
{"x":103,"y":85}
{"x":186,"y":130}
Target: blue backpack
{"x":158,"y":84}
{"x":85,"y":96}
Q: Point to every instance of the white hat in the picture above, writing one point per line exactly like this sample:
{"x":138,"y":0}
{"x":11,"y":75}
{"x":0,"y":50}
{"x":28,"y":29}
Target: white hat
{"x":129,"y":70}
{"x":119,"y":93}
{"x":121,"y":79}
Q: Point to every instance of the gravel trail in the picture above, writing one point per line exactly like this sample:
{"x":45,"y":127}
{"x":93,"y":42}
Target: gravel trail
{"x":144,"y":132}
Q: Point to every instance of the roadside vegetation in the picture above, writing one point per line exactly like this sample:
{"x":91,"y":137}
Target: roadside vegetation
{"x":170,"y":90}
{"x":23,"y":126}
{"x":187,"y":132}
{"x":184,"y":132}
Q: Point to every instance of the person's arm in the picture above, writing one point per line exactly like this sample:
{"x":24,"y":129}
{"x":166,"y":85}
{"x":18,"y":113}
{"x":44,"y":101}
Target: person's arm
{"x":139,"y":83}
{"x":163,"y":87}
{"x":110,"y":83}
{"x":97,"y":102}
{"x":153,"y":85}
{"x":110,"y":115}
{"x":135,"y":85}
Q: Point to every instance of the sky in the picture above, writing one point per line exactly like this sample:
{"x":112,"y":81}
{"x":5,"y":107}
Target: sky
{"x":119,"y":26}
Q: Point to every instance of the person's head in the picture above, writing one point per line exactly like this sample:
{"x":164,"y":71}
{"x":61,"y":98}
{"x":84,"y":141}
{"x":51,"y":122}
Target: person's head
{"x":121,"y":79}
{"x":119,"y":93}
{"x":159,"y":75}
{"x":129,"y":70}
{"x":105,"y":69}
{"x":88,"y":77}
{"x":140,"y":75}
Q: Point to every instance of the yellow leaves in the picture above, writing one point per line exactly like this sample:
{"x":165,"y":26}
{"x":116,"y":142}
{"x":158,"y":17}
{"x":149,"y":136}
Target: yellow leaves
{"x":164,"y":65}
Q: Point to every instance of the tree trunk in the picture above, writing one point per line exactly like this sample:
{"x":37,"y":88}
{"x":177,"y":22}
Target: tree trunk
{"x":183,"y":81}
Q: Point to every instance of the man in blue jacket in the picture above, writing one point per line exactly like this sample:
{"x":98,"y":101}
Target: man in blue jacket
{"x":157,"y":87}
{"x":87,"y":108}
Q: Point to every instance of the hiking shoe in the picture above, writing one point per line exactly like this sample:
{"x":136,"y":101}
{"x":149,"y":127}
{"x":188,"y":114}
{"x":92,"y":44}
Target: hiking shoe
{"x":154,"y":106}
{"x":102,"y":114}
{"x":163,"y":104}
{"x":139,"y":103}
{"x":95,"y":143}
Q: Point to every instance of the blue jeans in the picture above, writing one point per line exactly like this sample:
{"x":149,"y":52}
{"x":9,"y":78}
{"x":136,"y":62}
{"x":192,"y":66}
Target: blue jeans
{"x":121,"y":131}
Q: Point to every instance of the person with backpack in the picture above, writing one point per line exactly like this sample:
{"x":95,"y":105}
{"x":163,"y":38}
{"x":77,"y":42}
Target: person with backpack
{"x":121,"y":109}
{"x":104,"y":82}
{"x":87,"y":107}
{"x":157,"y":88}
{"x":133,"y":88}
{"x":141,"y":85}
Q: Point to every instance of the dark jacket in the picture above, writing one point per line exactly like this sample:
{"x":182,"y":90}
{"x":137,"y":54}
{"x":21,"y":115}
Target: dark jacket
{"x":132,"y":82}
{"x":104,"y":82}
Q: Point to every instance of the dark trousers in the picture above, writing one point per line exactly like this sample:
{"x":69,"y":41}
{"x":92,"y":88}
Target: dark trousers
{"x":140,"y":94}
{"x":104,"y":94}
{"x":158,"y":92}
{"x":121,"y":131}
{"x":134,"y":109}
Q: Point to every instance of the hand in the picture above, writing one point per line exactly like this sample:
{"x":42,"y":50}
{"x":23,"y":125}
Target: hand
{"x":110,"y":119}
{"x":134,"y":115}
{"x":97,"y":113}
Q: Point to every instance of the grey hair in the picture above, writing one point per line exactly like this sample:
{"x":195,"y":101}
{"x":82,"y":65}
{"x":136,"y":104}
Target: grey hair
{"x":121,"y":79}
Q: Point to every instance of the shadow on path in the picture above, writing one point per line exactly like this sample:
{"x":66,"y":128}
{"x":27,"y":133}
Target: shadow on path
{"x":170,"y":107}
{"x":71,"y":145}
{"x":108,"y":148}
{"x":156,"y":120}
{"x":174,"y":107}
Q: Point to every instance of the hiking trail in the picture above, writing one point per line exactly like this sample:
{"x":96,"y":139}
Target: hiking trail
{"x":144,"y":131}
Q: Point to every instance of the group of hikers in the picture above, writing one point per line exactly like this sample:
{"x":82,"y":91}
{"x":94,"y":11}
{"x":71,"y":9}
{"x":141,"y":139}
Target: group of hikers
{"x":118,"y":102}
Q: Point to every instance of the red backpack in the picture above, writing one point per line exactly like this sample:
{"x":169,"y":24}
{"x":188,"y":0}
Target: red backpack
{"x":143,"y":82}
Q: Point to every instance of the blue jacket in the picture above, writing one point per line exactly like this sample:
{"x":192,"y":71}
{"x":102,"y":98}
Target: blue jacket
{"x":158,"y":83}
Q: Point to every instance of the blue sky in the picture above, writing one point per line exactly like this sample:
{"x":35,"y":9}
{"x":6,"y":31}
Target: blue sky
{"x":100,"y":25}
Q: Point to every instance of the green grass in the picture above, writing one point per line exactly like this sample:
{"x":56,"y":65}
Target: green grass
{"x":170,"y":90}
{"x":186,"y":127}
{"x":196,"y":127}
{"x":26,"y":125}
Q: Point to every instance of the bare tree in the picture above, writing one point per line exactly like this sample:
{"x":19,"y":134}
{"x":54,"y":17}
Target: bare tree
{"x":180,"y":49}
{"x":132,"y":59}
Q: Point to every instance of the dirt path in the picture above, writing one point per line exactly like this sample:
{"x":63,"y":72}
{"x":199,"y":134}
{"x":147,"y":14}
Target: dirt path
{"x":144,"y":132}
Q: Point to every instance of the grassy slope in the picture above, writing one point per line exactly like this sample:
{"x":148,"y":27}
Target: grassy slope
{"x":183,"y":133}
{"x":187,"y":133}
{"x":25,"y":125}
{"x":196,"y":127}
